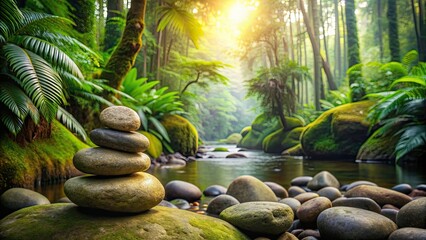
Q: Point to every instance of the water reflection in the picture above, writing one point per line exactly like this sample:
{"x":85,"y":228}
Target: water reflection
{"x":268,"y":167}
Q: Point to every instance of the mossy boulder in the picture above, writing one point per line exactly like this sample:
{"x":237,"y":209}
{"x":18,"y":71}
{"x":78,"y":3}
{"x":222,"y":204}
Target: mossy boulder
{"x":42,"y":160}
{"x":183,"y":135}
{"x":261,"y":127}
{"x":338,"y":132}
{"x":67,"y":221}
{"x":234,"y":138}
{"x":245,"y":130}
{"x":282,"y":139}
{"x":155,"y":146}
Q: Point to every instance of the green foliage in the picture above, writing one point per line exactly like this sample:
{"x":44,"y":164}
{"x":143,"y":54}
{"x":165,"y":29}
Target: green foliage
{"x":38,"y":75}
{"x":155,"y":146}
{"x":334,"y":99}
{"x":151,"y":104}
{"x":234,"y":138}
{"x":401,"y":113}
{"x":183,"y":135}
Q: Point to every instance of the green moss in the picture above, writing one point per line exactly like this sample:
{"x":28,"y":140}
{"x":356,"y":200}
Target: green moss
{"x":281,"y":140}
{"x":183,"y":135}
{"x":293,"y":122}
{"x":261,"y":127}
{"x":67,"y":221}
{"x":245,"y":130}
{"x":220,"y":149}
{"x":155,"y":147}
{"x":40,"y":160}
{"x":234,"y":138}
{"x":338,"y":132}
{"x":292,"y":138}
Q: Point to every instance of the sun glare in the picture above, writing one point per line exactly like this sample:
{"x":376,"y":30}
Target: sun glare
{"x":238,"y":13}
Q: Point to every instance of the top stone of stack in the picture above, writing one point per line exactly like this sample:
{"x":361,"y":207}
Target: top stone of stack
{"x":120,"y":118}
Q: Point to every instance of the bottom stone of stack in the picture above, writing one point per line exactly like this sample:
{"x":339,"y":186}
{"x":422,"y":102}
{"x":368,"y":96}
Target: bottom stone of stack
{"x":133,"y":193}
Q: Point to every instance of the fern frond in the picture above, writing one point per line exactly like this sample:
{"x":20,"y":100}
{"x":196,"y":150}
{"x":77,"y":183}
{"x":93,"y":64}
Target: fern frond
{"x":412,"y":137}
{"x":70,"y":122}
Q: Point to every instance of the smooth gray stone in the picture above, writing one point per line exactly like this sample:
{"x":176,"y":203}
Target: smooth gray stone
{"x":220,"y":203}
{"x":118,"y":140}
{"x":358,"y":202}
{"x":16,"y":198}
{"x":120,"y":118}
{"x":408,"y":234}
{"x":413,"y":214}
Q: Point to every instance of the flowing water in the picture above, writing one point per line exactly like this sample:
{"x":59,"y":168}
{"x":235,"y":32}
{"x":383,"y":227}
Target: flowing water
{"x":273,"y":168}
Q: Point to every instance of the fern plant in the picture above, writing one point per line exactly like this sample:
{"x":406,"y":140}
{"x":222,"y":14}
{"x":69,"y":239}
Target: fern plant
{"x":401,"y":112}
{"x":37,"y":75}
{"x":151,"y":104}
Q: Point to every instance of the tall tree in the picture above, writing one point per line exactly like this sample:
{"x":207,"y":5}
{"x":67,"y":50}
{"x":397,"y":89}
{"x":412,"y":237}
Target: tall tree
{"x":337,"y":45}
{"x":420,"y":27}
{"x":83,"y":14}
{"x":112,"y":31}
{"x":379,"y":28}
{"x":352,"y":34}
{"x":393,"y":31}
{"x":123,"y":57}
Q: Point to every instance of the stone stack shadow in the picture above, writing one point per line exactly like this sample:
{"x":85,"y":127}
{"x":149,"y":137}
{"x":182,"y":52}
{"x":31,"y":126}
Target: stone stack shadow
{"x":117,"y":181}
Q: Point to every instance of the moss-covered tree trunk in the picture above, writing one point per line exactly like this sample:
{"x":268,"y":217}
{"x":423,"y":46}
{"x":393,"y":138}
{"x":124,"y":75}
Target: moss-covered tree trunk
{"x":112,"y":29}
{"x":83,"y":12}
{"x":125,"y":54}
{"x":352,"y":34}
{"x":393,"y":31}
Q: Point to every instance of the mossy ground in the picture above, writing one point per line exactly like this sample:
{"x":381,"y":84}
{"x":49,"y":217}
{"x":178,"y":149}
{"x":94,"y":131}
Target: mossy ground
{"x":67,"y":221}
{"x":183,"y":135}
{"x":155,"y":147}
{"x":41,"y":160}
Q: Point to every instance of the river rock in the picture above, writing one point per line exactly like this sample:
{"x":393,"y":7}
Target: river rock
{"x":67,"y":221}
{"x":413,"y":214}
{"x":214,"y":190}
{"x":309,"y":233}
{"x":277,"y":189}
{"x":118,"y":140}
{"x":331,"y":193}
{"x":220,"y":203}
{"x":342,"y":223}
{"x":403,"y":188}
{"x":358,"y":202}
{"x":293,"y":191}
{"x":181,"y":203}
{"x":183,"y":190}
{"x":287,"y":236}
{"x":300,"y":181}
{"x":303,"y":197}
{"x":236,"y":155}
{"x":16,"y":198}
{"x":309,"y":211}
{"x":120,"y":118}
{"x":260,"y":217}
{"x":379,"y":194}
{"x":390,"y":213}
{"x":168,"y":204}
{"x":107,"y":162}
{"x":292,"y":202}
{"x":247,"y":189}
{"x":131,"y":193}
{"x":408,"y":234}
{"x":421,"y":187}
{"x":359,"y":183}
{"x":323,"y":179}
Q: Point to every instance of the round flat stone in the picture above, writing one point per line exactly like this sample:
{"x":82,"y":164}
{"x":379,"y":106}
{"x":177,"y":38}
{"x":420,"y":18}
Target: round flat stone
{"x":133,"y":193}
{"x":107,"y":162}
{"x":118,"y":140}
{"x":120,"y":118}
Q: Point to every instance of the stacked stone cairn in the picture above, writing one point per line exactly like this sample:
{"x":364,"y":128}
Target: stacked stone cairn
{"x":116,"y":181}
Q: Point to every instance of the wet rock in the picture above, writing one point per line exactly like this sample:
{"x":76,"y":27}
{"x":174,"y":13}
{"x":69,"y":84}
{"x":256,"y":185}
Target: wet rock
{"x":131,"y":193}
{"x":287,"y":236}
{"x":389,"y":206}
{"x":421,"y":187}
{"x":120,"y":118}
{"x":292,"y":202}
{"x":260,"y":217}
{"x":408,"y":234}
{"x":381,"y":195}
{"x":323,"y":179}
{"x":417,"y":193}
{"x":309,"y":211}
{"x":403,"y":188}
{"x":390,"y":213}
{"x":295,"y":190}
{"x":16,"y":198}
{"x":181,"y":203}
{"x":168,"y":204}
{"x":183,"y":190}
{"x":279,"y":190}
{"x":300,"y":181}
{"x":104,"y":161}
{"x":413,"y":214}
{"x":236,"y":155}
{"x":309,"y":233}
{"x":359,"y":183}
{"x":247,"y":189}
{"x":331,"y":193}
{"x":358,"y":202}
{"x":214,"y":190}
{"x":118,"y":140}
{"x":220,"y":203}
{"x":342,"y":223}
{"x":303,"y":197}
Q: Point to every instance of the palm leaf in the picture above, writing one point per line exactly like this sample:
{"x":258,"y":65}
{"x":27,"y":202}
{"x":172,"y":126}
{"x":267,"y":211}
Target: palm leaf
{"x":412,"y":137}
{"x":10,"y":18}
{"x":410,"y":79}
{"x":70,"y":122}
{"x":10,"y":120}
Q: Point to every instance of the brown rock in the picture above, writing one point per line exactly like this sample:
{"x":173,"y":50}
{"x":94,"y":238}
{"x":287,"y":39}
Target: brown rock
{"x":379,"y":194}
{"x":120,"y":118}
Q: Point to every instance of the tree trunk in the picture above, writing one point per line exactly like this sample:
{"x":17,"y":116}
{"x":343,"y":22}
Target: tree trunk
{"x":337,"y":46}
{"x":379,"y":28}
{"x":100,"y":25}
{"x":393,"y":31}
{"x":124,"y":56}
{"x":345,"y":43}
{"x":112,"y":33}
{"x":420,"y":28}
{"x":83,"y":12}
{"x":315,"y":47}
{"x":291,"y":39}
{"x":352,"y":34}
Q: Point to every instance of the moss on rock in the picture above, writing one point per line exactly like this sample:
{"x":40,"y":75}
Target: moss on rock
{"x":234,"y":138}
{"x":338,"y":132}
{"x":67,"y":221}
{"x":183,"y":135}
{"x":245,"y":130}
{"x":41,"y":160}
{"x":155,"y":146}
{"x":283,"y":139}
